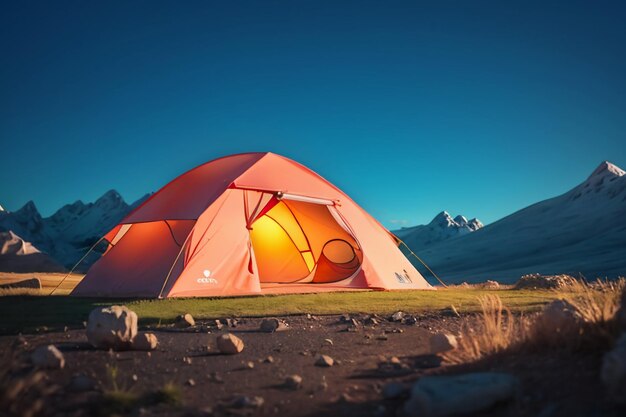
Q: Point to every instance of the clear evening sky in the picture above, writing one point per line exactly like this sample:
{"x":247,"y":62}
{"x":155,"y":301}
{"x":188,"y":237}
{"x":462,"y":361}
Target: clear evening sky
{"x":478,"y":108}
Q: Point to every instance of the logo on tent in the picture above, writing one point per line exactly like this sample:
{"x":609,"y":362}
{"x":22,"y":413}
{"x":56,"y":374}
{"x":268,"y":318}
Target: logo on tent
{"x":207,"y":278}
{"x":406,"y":279}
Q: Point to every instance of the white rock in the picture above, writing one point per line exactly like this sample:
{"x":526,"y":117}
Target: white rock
{"x":111,"y":327}
{"x":48,"y":357}
{"x":613,"y":372}
{"x":184,"y":321}
{"x":293,"y":382}
{"x":145,"y":341}
{"x":491,"y":285}
{"x":559,"y":316}
{"x":324,"y":361}
{"x":439,"y":396}
{"x":229,"y":344}
{"x":397,"y":316}
{"x":442,"y":342}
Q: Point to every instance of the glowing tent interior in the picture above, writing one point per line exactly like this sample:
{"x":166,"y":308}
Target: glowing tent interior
{"x":248,"y":224}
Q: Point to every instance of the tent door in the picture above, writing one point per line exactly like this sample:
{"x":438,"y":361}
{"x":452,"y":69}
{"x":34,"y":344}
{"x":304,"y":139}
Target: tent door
{"x":302,"y":240}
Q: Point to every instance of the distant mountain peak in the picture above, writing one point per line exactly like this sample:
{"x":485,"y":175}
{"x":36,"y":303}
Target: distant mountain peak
{"x":28,"y":211}
{"x":607,"y":169}
{"x":442,"y":219}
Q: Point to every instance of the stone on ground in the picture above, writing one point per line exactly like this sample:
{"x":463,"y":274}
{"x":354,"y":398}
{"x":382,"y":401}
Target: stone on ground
{"x":559,"y":316}
{"x":145,"y":341}
{"x":442,"y":342}
{"x":293,"y":382}
{"x":324,"y":361}
{"x":184,"y":320}
{"x":111,"y":327}
{"x":440,"y":396}
{"x":229,"y":344}
{"x":48,"y":357}
{"x":248,"y":402}
{"x":543,"y":282}
{"x":271,"y":325}
{"x":613,"y":373}
{"x":491,"y":285}
{"x":397,"y":316}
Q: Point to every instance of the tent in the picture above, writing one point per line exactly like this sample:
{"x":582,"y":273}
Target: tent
{"x":251,"y":223}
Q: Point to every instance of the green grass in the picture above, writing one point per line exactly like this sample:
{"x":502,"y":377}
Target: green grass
{"x":23,"y":313}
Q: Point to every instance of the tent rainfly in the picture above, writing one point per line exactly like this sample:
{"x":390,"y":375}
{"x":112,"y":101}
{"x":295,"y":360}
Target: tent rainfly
{"x":252,"y":223}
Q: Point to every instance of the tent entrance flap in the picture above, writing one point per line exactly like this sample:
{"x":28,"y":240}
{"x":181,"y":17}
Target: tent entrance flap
{"x":301,"y":242}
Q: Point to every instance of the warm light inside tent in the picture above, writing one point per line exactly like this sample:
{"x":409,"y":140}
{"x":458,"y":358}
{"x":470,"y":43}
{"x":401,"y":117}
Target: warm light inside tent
{"x":293,"y":237}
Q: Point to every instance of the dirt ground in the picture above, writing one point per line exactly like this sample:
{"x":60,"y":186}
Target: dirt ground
{"x":553,"y":383}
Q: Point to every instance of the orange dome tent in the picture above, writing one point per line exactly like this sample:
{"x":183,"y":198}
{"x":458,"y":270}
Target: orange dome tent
{"x":252,"y":223}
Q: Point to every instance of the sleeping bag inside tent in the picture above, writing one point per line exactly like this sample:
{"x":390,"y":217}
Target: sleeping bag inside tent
{"x":247,"y":224}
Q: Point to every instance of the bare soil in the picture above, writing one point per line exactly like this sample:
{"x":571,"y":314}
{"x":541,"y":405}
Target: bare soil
{"x":553,"y":383}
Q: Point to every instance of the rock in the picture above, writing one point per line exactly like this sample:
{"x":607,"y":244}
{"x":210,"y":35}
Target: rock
{"x":145,"y":341}
{"x":324,"y":361}
{"x":409,"y":320}
{"x":82,"y":383}
{"x":48,"y":357}
{"x":184,"y":320}
{"x":442,"y":342}
{"x":272,"y":325}
{"x":439,"y":396}
{"x":394,"y":390}
{"x":112,"y":327}
{"x":398,"y":316}
{"x":293,"y":382}
{"x":229,"y":344}
{"x":216,"y":377}
{"x":269,"y":359}
{"x":219,"y":325}
{"x":344,"y":318}
{"x":248,"y":402}
{"x":544,"y":282}
{"x":328,"y":342}
{"x":190,"y":382}
{"x":557,"y":317}
{"x":490,"y":285}
{"x":370,"y":321}
{"x":613,"y":373}
{"x":31,"y":283}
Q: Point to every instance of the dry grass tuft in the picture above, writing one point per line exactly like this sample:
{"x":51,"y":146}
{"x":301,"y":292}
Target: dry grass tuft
{"x":20,"y":291}
{"x":497,"y":330}
{"x":594,"y":307}
{"x":596,"y":302}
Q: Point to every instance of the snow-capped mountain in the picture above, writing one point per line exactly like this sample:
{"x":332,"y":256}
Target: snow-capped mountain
{"x":72,"y":229}
{"x":442,"y":227}
{"x":582,"y":231}
{"x":17,"y":255}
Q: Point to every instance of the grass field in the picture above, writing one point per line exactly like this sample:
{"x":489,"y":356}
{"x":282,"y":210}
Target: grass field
{"x":26,"y":313}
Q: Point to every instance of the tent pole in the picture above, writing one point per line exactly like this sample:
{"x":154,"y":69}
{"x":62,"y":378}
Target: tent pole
{"x":423,"y":263}
{"x":76,"y":264}
{"x":175,"y":260}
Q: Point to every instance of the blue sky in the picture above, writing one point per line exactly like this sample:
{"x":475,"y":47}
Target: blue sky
{"x":479,"y":108}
